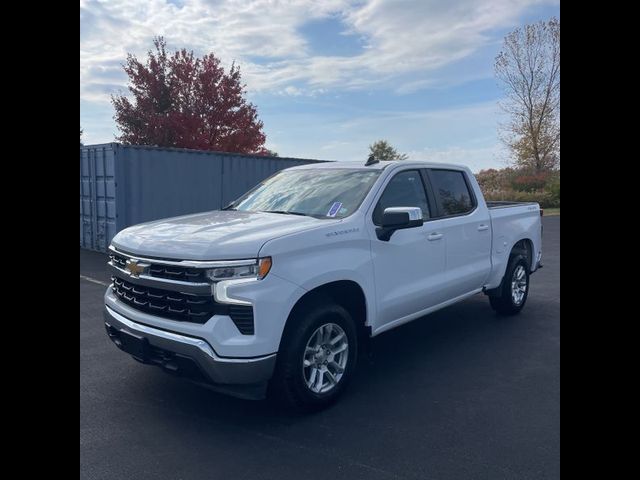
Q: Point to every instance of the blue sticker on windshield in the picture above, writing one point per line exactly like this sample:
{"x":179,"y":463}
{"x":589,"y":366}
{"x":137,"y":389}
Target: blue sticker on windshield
{"x":334,"y":209}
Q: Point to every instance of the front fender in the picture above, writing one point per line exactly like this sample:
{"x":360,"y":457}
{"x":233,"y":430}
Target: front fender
{"x":314,"y":258}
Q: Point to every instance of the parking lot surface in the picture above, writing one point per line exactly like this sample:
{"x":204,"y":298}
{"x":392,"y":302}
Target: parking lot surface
{"x":461,"y":393}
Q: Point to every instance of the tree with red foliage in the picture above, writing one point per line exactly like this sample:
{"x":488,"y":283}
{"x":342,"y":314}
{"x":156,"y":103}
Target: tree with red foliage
{"x":187,"y":102}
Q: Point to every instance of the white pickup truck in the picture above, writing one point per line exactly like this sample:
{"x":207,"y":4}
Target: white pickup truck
{"x":277,"y":292}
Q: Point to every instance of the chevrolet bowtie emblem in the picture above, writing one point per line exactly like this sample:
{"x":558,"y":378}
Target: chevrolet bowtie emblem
{"x":135,"y":268}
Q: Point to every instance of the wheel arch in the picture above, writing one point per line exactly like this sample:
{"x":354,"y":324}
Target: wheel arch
{"x":347,"y":293}
{"x":523,"y":246}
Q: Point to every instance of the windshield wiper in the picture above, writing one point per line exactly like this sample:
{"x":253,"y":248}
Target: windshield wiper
{"x":285,"y":212}
{"x":229,"y":207}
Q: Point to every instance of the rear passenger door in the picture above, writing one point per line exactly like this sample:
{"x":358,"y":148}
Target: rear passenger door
{"x":466,"y":229}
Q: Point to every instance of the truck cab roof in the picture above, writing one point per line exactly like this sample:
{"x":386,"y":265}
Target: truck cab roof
{"x":360,"y":165}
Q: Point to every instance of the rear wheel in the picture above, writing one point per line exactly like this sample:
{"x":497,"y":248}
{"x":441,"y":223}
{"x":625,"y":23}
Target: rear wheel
{"x":317,"y":358}
{"x":514,"y":288}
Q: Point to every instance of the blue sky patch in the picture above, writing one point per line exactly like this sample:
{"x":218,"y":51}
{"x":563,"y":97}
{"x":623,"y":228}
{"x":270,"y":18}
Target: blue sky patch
{"x":328,"y":37}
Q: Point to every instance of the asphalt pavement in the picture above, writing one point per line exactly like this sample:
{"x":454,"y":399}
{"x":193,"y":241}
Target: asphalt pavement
{"x":458,"y":394}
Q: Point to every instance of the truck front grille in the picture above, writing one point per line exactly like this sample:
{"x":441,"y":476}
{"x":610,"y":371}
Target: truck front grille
{"x":164,"y":303}
{"x":181,"y":306}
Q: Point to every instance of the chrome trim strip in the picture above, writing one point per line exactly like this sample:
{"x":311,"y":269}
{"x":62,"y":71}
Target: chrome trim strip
{"x":415,"y":213}
{"x":200,"y":344}
{"x":188,"y":263}
{"x":197,"y":288}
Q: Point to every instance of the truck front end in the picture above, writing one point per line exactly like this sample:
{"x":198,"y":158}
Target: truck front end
{"x":199,"y":319}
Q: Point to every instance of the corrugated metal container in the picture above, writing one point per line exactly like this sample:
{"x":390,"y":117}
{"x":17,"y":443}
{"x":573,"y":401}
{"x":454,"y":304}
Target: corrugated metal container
{"x":122,"y":185}
{"x":98,"y":216}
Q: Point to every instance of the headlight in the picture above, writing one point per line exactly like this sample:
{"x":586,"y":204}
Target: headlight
{"x":257,"y":270}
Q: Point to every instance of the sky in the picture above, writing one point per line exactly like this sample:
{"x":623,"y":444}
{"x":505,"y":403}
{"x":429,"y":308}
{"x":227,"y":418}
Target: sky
{"x":328,"y":77}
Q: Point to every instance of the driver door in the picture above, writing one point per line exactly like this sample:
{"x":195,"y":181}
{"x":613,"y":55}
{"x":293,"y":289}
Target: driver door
{"x":409,"y":267}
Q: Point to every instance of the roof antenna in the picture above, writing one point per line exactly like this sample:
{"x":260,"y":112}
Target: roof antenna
{"x":372,"y":160}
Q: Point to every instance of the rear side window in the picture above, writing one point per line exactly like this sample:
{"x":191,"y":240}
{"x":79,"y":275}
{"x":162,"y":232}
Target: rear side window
{"x":451,"y":191}
{"x":403,"y":190}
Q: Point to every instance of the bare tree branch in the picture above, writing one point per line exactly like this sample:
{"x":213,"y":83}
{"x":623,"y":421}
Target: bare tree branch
{"x":528,"y":68}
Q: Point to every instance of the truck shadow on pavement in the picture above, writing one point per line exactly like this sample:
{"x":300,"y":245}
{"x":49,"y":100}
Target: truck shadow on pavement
{"x":428,"y":354}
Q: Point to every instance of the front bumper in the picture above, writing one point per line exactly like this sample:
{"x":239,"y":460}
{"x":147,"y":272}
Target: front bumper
{"x":189,"y":356}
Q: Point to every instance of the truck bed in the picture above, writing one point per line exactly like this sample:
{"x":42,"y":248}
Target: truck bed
{"x":510,"y":222}
{"x":506,"y":203}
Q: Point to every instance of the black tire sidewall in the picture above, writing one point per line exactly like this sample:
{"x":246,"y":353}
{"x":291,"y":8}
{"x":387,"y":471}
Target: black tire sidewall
{"x":506,"y":292}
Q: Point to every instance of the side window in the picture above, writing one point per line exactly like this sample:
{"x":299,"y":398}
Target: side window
{"x":404,"y":190}
{"x":451,"y":191}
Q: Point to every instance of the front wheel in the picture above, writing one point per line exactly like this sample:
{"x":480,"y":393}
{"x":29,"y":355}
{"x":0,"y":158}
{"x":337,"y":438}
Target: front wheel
{"x":317,"y":358}
{"x":514,"y":289}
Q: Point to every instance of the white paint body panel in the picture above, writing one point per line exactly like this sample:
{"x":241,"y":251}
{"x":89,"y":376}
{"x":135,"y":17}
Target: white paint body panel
{"x":402,"y":279}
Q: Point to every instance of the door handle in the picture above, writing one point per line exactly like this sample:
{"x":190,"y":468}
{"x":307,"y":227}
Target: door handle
{"x":434,"y":236}
{"x":482,"y":227}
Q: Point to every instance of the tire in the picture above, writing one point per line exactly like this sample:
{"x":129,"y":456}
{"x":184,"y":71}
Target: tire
{"x":307,"y":330}
{"x":512,"y":297}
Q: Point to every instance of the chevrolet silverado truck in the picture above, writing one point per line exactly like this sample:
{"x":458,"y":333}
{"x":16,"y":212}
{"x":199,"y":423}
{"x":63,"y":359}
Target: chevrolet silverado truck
{"x":278,"y":292}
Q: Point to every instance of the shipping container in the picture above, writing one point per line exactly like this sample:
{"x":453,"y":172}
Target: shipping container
{"x":123,"y":185}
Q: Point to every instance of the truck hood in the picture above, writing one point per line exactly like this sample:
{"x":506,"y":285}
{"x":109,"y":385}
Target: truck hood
{"x":216,"y":235}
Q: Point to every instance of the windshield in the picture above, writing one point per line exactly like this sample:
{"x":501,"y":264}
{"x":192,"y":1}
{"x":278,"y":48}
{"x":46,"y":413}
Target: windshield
{"x":320,"y":193}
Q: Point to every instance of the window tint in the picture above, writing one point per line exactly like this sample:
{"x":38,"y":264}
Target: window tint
{"x":451,"y":191}
{"x":404,"y":190}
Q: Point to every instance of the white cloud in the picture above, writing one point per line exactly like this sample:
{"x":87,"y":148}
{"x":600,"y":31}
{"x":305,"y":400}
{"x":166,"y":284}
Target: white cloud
{"x":401,"y":37}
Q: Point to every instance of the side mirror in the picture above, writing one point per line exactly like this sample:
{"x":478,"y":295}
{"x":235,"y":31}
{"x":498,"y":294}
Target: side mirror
{"x":398,"y":218}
